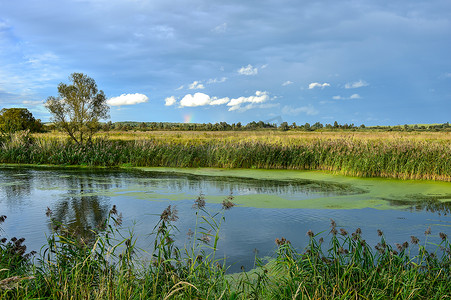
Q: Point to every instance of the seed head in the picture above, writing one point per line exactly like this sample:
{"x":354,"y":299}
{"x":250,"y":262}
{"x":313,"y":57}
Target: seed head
{"x":428,"y":231}
{"x":332,"y":223}
{"x":199,"y":202}
{"x":414,"y":240}
{"x":379,"y":232}
{"x":310,"y":233}
{"x":49,"y":212}
{"x":443,"y":236}
{"x":169,"y":214}
{"x":227,"y":202}
{"x":343,"y":232}
{"x":2,"y":218}
{"x":113,"y":211}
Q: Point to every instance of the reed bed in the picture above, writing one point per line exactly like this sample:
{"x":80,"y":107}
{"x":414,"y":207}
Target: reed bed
{"x":107,"y":266}
{"x":398,"y":156}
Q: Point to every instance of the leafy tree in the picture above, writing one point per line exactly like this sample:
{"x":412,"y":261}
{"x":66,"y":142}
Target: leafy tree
{"x":16,"y":119}
{"x":78,"y":108}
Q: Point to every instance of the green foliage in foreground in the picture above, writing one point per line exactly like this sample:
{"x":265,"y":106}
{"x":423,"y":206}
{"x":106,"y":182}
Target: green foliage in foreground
{"x":407,"y":159}
{"x":106,"y":266}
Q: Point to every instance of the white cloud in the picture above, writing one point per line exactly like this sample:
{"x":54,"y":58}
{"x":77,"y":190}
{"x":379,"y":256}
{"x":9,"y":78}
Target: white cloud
{"x":318,"y":85}
{"x":198,"y":99}
{"x":180,"y":87}
{"x":216,"y":101}
{"x":249,"y":70}
{"x":127,"y":99}
{"x":220,"y":28}
{"x":355,"y":85}
{"x":32,"y":103}
{"x":196,"y":85}
{"x":288,"y":82}
{"x":353,"y":96}
{"x":216,"y":80}
{"x":201,"y":99}
{"x":308,"y":110}
{"x":170,"y":101}
{"x":260,"y":97}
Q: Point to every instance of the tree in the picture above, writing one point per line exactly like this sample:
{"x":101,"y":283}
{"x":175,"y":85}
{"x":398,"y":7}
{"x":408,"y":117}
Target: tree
{"x":78,"y":108}
{"x":16,"y":119}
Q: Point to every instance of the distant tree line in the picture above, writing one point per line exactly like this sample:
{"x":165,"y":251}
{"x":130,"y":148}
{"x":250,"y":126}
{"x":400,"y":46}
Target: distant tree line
{"x":260,"y":125}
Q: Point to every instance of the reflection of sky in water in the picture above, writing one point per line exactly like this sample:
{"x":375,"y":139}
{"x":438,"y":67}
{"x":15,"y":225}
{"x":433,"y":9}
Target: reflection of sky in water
{"x":85,"y":196}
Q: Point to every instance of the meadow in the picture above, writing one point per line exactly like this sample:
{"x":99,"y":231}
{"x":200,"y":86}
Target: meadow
{"x":405,"y":155}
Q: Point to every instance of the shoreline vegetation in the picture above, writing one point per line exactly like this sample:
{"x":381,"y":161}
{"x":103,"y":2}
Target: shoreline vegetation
{"x":403,"y":155}
{"x":336,"y":264}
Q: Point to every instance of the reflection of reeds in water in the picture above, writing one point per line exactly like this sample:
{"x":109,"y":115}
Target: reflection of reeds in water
{"x":432,"y":204}
{"x":108,"y":266}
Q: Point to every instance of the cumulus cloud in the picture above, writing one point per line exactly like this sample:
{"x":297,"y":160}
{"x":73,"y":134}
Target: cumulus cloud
{"x":169,"y":101}
{"x":127,"y":99}
{"x":313,"y":85}
{"x":288,"y":82}
{"x":308,"y":110}
{"x":216,"y":101}
{"x":356,"y":84}
{"x":201,"y":99}
{"x":248,"y":71}
{"x":260,"y":97}
{"x":196,"y":85}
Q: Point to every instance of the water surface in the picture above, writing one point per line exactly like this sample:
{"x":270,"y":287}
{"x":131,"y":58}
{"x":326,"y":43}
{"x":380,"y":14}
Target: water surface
{"x":270,"y":204}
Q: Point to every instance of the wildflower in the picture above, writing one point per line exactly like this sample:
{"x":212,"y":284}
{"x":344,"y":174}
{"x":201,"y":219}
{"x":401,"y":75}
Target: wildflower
{"x":442,"y":236}
{"x":310,"y":233}
{"x":414,"y":240}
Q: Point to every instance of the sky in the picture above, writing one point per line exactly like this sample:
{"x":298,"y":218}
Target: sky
{"x":359,"y":61}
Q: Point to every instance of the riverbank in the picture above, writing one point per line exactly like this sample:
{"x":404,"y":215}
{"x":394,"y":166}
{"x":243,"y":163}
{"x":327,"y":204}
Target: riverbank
{"x":404,"y":156}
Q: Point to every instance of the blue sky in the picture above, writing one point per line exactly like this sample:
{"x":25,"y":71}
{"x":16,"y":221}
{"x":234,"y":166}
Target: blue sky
{"x":372,"y":62}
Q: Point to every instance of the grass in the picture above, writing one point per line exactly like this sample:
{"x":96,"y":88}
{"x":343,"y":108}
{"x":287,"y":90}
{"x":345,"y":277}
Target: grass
{"x":107,"y":265}
{"x":374,"y":154}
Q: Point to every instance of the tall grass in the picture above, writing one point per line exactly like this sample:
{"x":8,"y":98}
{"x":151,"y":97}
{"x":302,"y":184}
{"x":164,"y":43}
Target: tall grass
{"x":107,"y":266}
{"x":366,"y":157}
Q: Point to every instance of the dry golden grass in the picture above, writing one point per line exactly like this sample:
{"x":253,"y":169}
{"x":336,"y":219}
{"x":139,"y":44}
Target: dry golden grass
{"x":266,"y":136}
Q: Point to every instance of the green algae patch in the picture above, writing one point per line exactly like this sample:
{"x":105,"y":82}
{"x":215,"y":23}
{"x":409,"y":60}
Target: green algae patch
{"x":375,"y":193}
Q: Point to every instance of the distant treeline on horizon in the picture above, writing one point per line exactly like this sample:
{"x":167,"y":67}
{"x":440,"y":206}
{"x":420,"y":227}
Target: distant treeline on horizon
{"x":260,"y":125}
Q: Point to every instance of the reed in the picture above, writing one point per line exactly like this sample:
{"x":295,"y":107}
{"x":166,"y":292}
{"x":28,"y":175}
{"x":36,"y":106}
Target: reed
{"x":107,"y":265}
{"x":356,"y":155}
